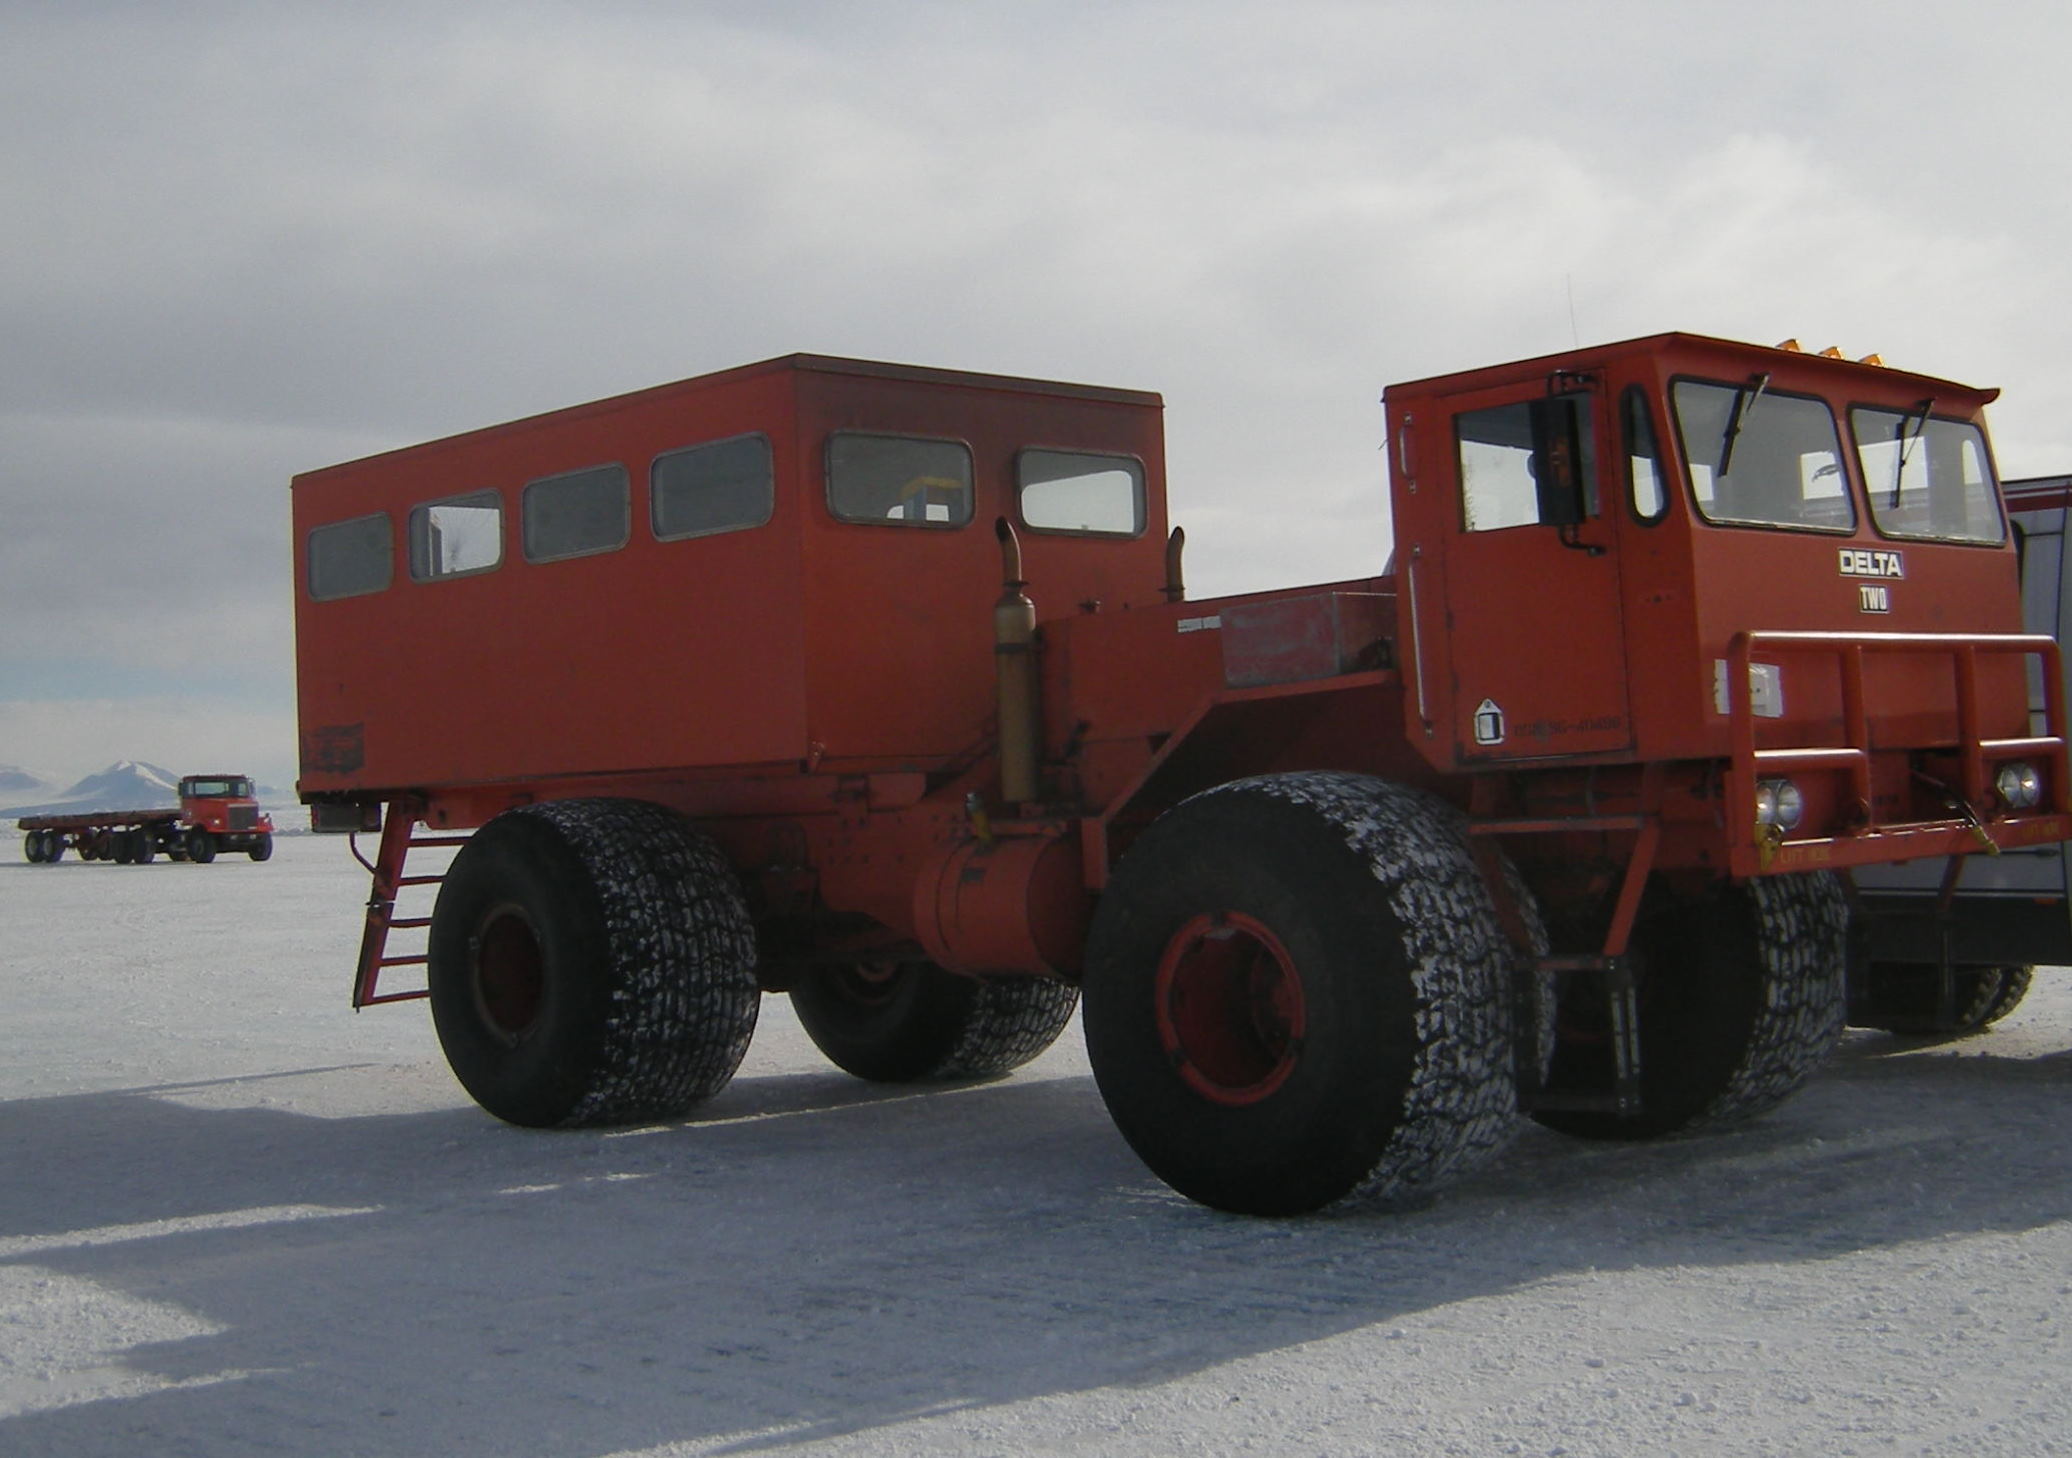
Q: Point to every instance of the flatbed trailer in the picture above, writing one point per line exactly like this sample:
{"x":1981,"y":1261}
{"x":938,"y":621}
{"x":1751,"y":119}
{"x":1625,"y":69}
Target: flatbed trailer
{"x":216,"y":813}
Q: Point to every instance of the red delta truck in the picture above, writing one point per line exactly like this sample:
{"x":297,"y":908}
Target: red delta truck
{"x":216,"y":813}
{"x":879,"y":686}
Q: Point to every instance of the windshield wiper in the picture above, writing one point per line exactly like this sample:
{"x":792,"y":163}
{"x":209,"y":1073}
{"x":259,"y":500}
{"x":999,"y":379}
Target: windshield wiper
{"x":1744,"y":405}
{"x":1919,"y":420}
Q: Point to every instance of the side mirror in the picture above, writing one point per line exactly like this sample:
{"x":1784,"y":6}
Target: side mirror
{"x":1557,"y":460}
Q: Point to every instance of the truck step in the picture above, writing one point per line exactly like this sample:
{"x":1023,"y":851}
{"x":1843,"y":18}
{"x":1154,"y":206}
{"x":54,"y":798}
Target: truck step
{"x":1622,"y":1031}
{"x":398,"y":840}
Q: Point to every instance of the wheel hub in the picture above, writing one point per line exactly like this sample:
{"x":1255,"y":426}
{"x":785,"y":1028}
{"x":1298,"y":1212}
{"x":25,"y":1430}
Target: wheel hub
{"x":1230,"y":1009}
{"x":510,"y":976}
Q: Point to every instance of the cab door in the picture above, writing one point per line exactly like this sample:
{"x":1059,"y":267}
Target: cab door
{"x":1534,"y":648}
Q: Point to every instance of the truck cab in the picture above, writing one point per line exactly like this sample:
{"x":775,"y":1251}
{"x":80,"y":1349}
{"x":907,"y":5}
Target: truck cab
{"x":222,"y":805}
{"x":220,"y":812}
{"x":1687,"y":550}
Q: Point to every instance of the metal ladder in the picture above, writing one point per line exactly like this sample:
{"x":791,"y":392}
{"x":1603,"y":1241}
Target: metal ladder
{"x":398,"y":838}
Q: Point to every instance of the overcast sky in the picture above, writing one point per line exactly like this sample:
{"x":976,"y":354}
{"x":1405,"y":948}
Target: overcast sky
{"x":239,"y":241}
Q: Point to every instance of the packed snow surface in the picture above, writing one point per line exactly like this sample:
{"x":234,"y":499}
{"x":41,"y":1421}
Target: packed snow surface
{"x":238,"y":1218}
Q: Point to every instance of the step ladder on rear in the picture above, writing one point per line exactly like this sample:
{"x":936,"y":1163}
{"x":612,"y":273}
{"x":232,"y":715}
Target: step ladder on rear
{"x":399,"y":837}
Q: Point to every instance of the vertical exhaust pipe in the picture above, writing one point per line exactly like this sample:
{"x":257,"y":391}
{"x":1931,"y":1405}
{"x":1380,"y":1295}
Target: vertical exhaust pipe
{"x":1175,"y":586}
{"x":1014,"y":652}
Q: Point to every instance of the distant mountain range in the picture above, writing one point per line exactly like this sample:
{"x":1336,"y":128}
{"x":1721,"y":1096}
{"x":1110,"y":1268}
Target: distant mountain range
{"x":128,"y":784}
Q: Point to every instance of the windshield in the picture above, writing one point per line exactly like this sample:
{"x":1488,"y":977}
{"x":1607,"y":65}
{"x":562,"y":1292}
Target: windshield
{"x":1928,"y":477}
{"x":217,"y":789}
{"x":1760,"y":458}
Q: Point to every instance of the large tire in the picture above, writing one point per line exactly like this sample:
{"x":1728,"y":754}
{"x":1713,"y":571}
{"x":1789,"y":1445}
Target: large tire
{"x":143,"y":847}
{"x":1907,"y":997}
{"x":32,"y":848}
{"x":261,"y":849}
{"x":592,"y":962}
{"x":1741,"y":998}
{"x":2014,"y":986}
{"x":201,"y":846}
{"x":53,"y":847}
{"x":1298,"y":995}
{"x":910,"y":1021}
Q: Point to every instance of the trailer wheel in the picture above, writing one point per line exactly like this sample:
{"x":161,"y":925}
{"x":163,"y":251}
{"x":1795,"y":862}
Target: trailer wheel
{"x":32,"y":847}
{"x":592,"y":962}
{"x":908,"y":1021}
{"x":143,"y":847}
{"x":201,"y":846}
{"x":261,"y":849}
{"x":1741,"y":998}
{"x":121,"y":849}
{"x":1298,"y":994}
{"x":53,"y":847}
{"x":1906,"y":997}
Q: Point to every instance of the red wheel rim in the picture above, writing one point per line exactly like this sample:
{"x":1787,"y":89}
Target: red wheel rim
{"x":510,"y":973}
{"x":1230,"y":1008}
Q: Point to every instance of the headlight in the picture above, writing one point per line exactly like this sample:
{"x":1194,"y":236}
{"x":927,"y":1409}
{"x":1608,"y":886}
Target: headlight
{"x":2020,"y":787}
{"x":1779,"y":803}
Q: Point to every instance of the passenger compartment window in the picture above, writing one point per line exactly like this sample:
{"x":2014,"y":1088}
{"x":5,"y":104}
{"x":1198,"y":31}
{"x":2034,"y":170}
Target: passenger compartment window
{"x":350,"y":558}
{"x":1760,"y":458}
{"x":898,"y":480}
{"x":1928,"y":478}
{"x":576,"y":514}
{"x":456,"y":537}
{"x":725,"y":486}
{"x":1089,"y":495}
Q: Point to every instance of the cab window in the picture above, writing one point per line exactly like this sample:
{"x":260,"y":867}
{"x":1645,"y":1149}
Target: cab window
{"x":1645,"y":492}
{"x":1929,"y":478}
{"x":1758,"y":457}
{"x":1526,"y":463}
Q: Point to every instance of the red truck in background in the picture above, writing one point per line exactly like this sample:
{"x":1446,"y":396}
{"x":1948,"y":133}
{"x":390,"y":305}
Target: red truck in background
{"x":879,"y":686}
{"x":216,"y":813}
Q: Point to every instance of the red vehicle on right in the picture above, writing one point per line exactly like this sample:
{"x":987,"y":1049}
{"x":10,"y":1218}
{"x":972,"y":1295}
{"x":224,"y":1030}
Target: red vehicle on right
{"x":1948,"y":945}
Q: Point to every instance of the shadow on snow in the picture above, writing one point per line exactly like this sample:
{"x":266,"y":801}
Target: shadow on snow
{"x":814,"y":1257}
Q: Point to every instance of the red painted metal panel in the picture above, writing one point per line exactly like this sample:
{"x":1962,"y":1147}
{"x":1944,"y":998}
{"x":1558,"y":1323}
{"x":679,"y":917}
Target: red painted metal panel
{"x":1315,"y":635}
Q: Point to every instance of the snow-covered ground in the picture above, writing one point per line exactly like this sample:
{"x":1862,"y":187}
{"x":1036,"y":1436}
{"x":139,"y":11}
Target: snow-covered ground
{"x":236,"y":1218}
